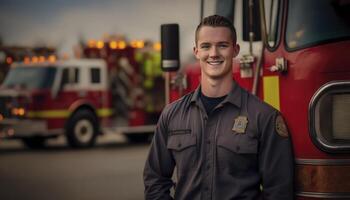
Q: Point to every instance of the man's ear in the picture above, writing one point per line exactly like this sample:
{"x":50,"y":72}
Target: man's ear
{"x":195,"y":52}
{"x":236,"y":50}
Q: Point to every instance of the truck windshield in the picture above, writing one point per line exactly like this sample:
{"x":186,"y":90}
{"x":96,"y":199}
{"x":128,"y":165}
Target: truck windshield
{"x":30,"y":77}
{"x":314,"y":22}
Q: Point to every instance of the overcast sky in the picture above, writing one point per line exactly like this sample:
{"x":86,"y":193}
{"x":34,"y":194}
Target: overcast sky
{"x":61,"y":22}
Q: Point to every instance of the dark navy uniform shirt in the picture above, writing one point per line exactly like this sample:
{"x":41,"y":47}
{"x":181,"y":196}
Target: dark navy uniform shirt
{"x":238,"y":152}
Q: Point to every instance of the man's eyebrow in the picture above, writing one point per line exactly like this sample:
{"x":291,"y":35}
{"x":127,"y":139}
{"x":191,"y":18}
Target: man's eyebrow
{"x":204,"y":43}
{"x":223,"y":42}
{"x":220,"y":42}
{"x":217,"y":43}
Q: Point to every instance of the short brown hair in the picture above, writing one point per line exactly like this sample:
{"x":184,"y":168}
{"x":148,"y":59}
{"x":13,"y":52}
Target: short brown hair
{"x":217,"y":21}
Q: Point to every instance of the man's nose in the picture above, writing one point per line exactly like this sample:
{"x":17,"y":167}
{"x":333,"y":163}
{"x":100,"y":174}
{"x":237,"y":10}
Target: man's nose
{"x":213,"y":52}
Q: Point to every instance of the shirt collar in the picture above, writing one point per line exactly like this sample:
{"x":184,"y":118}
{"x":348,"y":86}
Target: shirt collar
{"x":233,"y":97}
{"x":195,"y":96}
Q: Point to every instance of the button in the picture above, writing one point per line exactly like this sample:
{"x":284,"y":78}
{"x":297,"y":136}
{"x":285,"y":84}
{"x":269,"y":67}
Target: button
{"x":206,"y":189}
{"x":208,"y":166}
{"x":238,"y":148}
{"x":208,"y":141}
{"x":179,"y":145}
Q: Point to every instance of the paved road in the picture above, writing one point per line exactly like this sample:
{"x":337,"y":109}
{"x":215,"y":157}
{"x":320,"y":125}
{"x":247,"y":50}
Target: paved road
{"x":112,"y":170}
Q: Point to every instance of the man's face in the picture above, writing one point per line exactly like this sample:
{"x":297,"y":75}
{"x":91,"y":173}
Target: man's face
{"x":215,"y":51}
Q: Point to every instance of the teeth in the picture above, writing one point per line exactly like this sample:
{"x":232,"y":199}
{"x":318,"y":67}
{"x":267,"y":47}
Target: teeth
{"x":215,"y":62}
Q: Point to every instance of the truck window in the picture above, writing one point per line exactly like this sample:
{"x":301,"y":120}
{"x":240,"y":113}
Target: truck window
{"x":225,"y":8}
{"x":272,"y":21}
{"x":95,"y":75}
{"x":30,"y":77}
{"x":315,"y":22}
{"x":209,"y":7}
{"x":70,"y":75}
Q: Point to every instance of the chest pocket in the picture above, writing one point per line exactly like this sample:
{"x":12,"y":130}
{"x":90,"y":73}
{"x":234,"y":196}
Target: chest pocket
{"x":240,"y":143}
{"x":182,"y":144}
{"x":237,"y":152}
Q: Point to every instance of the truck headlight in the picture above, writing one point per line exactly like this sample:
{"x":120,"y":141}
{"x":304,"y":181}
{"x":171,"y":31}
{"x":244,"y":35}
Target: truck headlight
{"x":20,"y":112}
{"x":329,"y":117}
{"x":341,"y":116}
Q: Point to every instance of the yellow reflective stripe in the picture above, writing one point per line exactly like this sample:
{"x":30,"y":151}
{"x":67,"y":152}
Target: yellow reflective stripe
{"x":272,"y":91}
{"x":104,"y":112}
{"x":49,"y":114}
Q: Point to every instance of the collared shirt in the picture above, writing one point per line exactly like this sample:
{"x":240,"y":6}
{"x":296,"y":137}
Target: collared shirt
{"x":234,"y":153}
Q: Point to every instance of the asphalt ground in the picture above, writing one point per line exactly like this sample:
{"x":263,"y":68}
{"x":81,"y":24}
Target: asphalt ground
{"x":110,"y":170}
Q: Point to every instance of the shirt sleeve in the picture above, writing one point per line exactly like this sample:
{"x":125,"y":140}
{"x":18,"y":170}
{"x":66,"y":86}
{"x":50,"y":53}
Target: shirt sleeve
{"x":276,"y":159}
{"x":159,"y":165}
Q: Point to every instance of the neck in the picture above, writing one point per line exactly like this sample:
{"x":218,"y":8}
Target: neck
{"x":216,"y":88}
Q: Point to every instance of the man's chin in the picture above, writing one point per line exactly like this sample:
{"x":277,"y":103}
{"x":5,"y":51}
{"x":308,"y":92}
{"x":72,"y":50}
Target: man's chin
{"x":215,"y":76}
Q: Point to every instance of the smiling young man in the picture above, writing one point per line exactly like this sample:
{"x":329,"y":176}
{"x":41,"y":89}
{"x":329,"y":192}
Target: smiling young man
{"x":224,"y":142}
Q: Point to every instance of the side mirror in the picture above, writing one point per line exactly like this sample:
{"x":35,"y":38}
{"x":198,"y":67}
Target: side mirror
{"x":251,"y":20}
{"x":170,"y":47}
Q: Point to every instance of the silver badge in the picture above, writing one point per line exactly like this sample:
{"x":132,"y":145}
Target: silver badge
{"x":240,"y":124}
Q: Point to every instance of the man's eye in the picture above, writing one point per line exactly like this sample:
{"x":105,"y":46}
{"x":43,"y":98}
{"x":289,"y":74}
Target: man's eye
{"x":223,"y":45}
{"x":205,"y":47}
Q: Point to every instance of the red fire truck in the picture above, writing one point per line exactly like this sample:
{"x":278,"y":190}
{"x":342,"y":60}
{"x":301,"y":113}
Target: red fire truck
{"x":106,"y":91}
{"x":302,"y":68}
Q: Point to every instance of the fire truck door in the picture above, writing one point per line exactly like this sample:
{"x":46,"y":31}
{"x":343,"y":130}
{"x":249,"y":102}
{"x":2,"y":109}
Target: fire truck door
{"x":273,"y":60}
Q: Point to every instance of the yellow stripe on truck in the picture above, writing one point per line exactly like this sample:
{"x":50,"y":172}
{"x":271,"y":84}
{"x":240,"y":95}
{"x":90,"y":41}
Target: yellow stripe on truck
{"x":272,"y":91}
{"x":103,"y":112}
{"x":49,"y":114}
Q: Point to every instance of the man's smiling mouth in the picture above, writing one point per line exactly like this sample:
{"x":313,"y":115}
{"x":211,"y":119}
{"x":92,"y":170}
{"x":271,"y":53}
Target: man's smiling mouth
{"x":215,"y":63}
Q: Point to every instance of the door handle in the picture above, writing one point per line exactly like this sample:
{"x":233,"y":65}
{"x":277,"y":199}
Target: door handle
{"x":280,"y":65}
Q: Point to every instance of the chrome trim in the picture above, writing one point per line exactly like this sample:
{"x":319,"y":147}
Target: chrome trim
{"x":324,"y":195}
{"x":19,"y":128}
{"x":301,"y":161}
{"x":170,"y":63}
{"x":328,"y":88}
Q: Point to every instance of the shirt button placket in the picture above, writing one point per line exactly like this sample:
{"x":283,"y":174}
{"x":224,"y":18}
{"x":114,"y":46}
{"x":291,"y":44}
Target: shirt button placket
{"x":208,"y":159}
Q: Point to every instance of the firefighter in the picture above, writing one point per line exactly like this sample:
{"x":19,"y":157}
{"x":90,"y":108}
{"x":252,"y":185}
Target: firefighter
{"x":149,"y":60}
{"x":225,"y":142}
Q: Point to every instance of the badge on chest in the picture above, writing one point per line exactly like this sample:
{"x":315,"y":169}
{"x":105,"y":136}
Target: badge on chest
{"x":240,"y":124}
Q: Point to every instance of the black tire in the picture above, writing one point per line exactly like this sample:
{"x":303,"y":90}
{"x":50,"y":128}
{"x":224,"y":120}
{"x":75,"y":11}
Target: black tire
{"x":139,"y":137}
{"x":34,"y":142}
{"x":82,"y":129}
